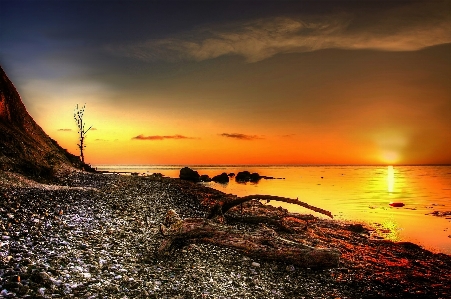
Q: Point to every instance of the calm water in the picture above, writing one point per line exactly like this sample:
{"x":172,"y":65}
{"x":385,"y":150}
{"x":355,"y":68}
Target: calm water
{"x":358,"y":193}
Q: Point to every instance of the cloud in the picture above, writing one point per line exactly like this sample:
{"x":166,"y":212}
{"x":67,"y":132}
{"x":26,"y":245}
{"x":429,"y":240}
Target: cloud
{"x":159,"y":137}
{"x":398,"y":30}
{"x":65,"y":130}
{"x":240,"y":136}
{"x":288,"y":135}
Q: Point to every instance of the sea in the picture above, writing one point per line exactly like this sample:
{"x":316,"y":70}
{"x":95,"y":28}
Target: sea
{"x":360,"y":194}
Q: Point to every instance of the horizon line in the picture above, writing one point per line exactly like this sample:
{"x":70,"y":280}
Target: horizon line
{"x":262,"y":164}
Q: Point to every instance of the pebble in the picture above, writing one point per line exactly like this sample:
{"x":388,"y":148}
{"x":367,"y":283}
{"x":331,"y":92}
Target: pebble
{"x":290,"y":268}
{"x":103,"y":246}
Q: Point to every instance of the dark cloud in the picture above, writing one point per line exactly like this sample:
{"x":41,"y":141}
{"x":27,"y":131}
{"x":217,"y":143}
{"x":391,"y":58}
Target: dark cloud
{"x":288,"y":135}
{"x":240,"y":136}
{"x":65,"y":130}
{"x":159,"y":137}
{"x":262,"y":38}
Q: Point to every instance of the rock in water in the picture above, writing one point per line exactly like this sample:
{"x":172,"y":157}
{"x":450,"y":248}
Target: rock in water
{"x":222,"y":178}
{"x":397,"y":204}
{"x":188,"y":174}
{"x":205,"y":178}
{"x":24,"y":147}
{"x":246,"y":176}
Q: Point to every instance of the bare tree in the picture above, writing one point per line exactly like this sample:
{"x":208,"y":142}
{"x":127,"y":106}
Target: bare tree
{"x":78,"y":116}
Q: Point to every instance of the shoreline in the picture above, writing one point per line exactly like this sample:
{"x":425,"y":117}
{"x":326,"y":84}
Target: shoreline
{"x":357,"y":195}
{"x":96,"y":235}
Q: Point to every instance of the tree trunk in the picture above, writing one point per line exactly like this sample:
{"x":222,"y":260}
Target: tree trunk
{"x":264,"y":243}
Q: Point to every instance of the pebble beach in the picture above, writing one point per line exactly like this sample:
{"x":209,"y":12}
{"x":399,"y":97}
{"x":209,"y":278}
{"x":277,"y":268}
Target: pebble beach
{"x":88,"y":235}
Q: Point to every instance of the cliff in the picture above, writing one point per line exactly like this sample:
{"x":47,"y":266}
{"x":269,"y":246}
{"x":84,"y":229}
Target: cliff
{"x":24,"y":147}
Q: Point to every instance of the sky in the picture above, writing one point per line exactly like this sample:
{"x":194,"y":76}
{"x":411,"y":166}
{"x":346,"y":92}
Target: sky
{"x":236,"y":82}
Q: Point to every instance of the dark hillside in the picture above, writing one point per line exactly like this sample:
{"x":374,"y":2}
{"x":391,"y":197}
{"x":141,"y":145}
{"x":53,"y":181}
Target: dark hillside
{"x":24,"y":147}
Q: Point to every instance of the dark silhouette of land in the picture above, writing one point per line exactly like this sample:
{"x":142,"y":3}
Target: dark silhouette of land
{"x":24,"y":147}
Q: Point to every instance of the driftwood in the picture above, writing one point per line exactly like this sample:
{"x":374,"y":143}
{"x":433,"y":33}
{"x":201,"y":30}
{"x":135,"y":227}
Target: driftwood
{"x":290,"y":223}
{"x":263,"y":243}
{"x":222,"y":207}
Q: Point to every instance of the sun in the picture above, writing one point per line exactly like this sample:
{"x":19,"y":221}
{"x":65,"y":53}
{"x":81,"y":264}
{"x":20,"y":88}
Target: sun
{"x":390,"y":156}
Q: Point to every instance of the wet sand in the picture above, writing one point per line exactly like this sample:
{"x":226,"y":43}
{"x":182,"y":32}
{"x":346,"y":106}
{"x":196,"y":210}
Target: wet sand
{"x":96,"y":236}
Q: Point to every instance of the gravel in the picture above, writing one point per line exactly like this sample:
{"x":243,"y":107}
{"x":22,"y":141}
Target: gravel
{"x":96,"y":236}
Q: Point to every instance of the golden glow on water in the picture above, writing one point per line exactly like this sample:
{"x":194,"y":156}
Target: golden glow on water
{"x":390,"y":230}
{"x":390,"y":178}
{"x":357,"y":193}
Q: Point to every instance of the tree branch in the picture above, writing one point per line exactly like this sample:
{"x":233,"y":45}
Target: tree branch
{"x":222,"y":207}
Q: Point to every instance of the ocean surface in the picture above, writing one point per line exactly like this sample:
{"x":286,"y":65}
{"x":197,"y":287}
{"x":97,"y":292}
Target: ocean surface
{"x":357,"y":193}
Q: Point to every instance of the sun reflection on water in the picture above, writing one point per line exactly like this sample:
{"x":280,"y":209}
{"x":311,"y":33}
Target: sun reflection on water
{"x":355,"y":193}
{"x":390,"y":230}
{"x":390,"y":178}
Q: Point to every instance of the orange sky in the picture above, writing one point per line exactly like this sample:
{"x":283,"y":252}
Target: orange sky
{"x":290,"y":83}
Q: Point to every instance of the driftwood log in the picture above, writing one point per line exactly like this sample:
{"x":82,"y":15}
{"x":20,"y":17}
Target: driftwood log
{"x":263,"y":243}
{"x":222,"y":207}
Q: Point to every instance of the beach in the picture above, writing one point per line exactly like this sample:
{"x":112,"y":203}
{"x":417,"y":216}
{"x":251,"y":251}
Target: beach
{"x":350,"y":192}
{"x":89,"y":235}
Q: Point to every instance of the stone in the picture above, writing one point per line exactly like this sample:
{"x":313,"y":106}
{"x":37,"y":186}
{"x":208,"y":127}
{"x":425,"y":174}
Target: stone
{"x":246,"y":176}
{"x":243,"y":176}
{"x":205,"y":178}
{"x":397,"y":204}
{"x":290,"y":268}
{"x":357,"y":228}
{"x":222,"y":178}
{"x":188,"y":174}
{"x":23,"y":290}
{"x":42,"y":278}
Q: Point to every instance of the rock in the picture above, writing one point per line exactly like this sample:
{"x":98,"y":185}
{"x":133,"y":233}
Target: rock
{"x":41,"y":291}
{"x":254,"y":264}
{"x":246,"y":176}
{"x":290,"y":268}
{"x":23,"y":290}
{"x":42,"y":278}
{"x":222,"y":178}
{"x":397,"y":204}
{"x":409,"y":245}
{"x":188,"y":174}
{"x":440,"y":213}
{"x":357,"y":228}
{"x":205,"y":178}
{"x":242,"y":176}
